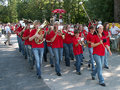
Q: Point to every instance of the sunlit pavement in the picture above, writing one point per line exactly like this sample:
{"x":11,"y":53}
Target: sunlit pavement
{"x":15,"y":74}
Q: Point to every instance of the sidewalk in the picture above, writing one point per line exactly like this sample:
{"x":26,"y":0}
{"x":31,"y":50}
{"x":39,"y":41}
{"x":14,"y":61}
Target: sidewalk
{"x":16,"y":75}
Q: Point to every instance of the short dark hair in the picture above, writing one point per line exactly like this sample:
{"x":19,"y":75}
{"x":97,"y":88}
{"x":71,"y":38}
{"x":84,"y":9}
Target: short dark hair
{"x":91,"y":27}
{"x":105,"y":24}
{"x":76,"y":31}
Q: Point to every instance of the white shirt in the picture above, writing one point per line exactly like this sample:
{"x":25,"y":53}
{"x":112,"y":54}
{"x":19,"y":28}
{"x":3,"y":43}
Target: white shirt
{"x":113,"y":30}
{"x":86,"y":28}
{"x":60,"y":27}
{"x":7,"y":29}
{"x":3,"y":27}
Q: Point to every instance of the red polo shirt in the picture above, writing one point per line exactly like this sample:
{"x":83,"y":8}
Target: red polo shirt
{"x":48,"y":37}
{"x":68,"y":38}
{"x":34,"y":45}
{"x":77,"y":50}
{"x":89,"y":38}
{"x":84,"y":33}
{"x":99,"y":50}
{"x":106,"y":34}
{"x":26,"y":34}
{"x":19,"y":29}
{"x":58,"y":42}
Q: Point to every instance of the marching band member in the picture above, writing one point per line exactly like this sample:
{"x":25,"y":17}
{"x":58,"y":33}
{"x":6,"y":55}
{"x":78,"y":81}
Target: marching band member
{"x":49,"y":45}
{"x":82,"y":34}
{"x":90,"y":49}
{"x":99,"y":53}
{"x":45,"y":45}
{"x":22,"y":40}
{"x":17,"y":31}
{"x":38,"y":49}
{"x":28,"y":48}
{"x":77,"y":49}
{"x":107,"y":34}
{"x":68,"y":45}
{"x":57,"y":46}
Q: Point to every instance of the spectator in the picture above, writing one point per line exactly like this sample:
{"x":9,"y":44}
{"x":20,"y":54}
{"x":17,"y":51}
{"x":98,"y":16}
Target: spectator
{"x":8,"y":34}
{"x":115,"y":33}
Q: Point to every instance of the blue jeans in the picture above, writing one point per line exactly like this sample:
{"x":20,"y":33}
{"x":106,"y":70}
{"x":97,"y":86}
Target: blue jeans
{"x":30,"y":55}
{"x":78,"y":62}
{"x":82,"y":54}
{"x":91,"y":58}
{"x":51,"y":55}
{"x":68,"y":49}
{"x":58,"y":52}
{"x":26,"y":51}
{"x":19,"y":43}
{"x":38,"y":53}
{"x":45,"y":51}
{"x":98,"y":70}
{"x":105,"y":59}
{"x":22,"y":47}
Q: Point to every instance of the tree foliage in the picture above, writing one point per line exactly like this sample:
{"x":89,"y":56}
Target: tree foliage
{"x":101,"y":9}
{"x":42,"y":9}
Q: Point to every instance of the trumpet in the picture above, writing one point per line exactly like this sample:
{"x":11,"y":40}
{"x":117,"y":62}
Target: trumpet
{"x":21,"y":33}
{"x":37,"y":40}
{"x":81,"y":42}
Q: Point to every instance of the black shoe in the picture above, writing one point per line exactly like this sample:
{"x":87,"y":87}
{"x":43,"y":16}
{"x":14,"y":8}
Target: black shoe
{"x":81,"y":63}
{"x":68,"y":65}
{"x":83,"y":57}
{"x":72,"y":58}
{"x":31,"y":67}
{"x":5,"y":43}
{"x":10,"y":44}
{"x":39,"y":77}
{"x":89,"y":65}
{"x":79,"y":73}
{"x":103,"y":84}
{"x":93,"y":78}
{"x":59,"y":74}
{"x":45,"y":60}
{"x":106,"y":67}
{"x":52,"y":65}
{"x":25,"y":57}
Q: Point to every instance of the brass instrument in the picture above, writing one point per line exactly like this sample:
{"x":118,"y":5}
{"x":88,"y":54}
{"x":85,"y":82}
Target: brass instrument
{"x":37,"y":40}
{"x":25,"y":21}
{"x":21,"y":33}
{"x":81,"y":42}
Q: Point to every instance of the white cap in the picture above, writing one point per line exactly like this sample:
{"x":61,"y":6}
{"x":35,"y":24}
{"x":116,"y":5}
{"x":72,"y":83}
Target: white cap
{"x":23,"y":24}
{"x":80,"y":3}
{"x":31,"y":26}
{"x":99,"y":25}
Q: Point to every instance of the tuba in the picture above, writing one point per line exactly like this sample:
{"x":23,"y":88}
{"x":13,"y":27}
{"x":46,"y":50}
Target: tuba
{"x":37,"y":40}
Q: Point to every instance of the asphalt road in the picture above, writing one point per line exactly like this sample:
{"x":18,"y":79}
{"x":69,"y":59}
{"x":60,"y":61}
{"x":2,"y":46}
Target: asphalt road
{"x":15,"y":74}
{"x":14,"y":71}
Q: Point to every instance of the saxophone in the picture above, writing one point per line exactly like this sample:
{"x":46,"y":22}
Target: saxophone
{"x":37,"y":40}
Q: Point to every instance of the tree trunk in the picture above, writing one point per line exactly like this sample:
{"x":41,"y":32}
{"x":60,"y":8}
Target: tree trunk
{"x":117,"y":10}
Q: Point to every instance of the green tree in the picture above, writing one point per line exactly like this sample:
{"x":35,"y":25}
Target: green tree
{"x":13,"y":10}
{"x":117,"y":10}
{"x":101,"y":9}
